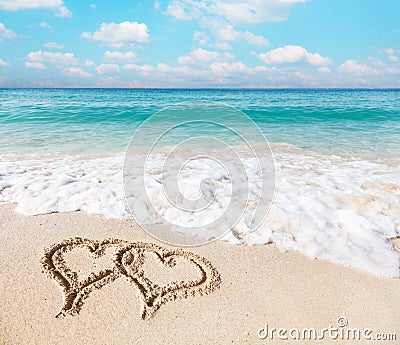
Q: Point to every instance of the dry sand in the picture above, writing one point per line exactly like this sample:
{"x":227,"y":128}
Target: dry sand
{"x":259,"y":285}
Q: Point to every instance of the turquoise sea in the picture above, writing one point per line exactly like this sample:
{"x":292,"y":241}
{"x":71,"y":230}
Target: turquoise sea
{"x":336,"y":160}
{"x":348,"y":122}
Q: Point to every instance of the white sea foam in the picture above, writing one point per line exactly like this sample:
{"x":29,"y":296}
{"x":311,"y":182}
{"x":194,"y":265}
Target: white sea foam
{"x":334,"y":208}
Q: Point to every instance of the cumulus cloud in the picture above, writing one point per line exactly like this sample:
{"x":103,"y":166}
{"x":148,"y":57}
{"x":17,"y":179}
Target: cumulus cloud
{"x":53,"y":45}
{"x":293,"y":54}
{"x":75,"y":72}
{"x":181,"y":10}
{"x":119,"y":34}
{"x":354,"y":67}
{"x":393,"y":55}
{"x":63,"y":11}
{"x":6,"y":33}
{"x":3,"y":63}
{"x":45,"y":25}
{"x":118,"y":56}
{"x":59,"y":60}
{"x":253,"y":11}
{"x":255,"y":40}
{"x":234,"y":11}
{"x":35,"y":65}
{"x":394,"y":58}
{"x":213,"y":73}
{"x":200,"y":38}
{"x":57,"y":5}
{"x":142,"y":69}
{"x":223,"y":46}
{"x":203,"y":56}
{"x":214,"y":69}
{"x":225,"y":33}
{"x":89,"y":63}
{"x":224,"y":69}
{"x":324,"y":69}
{"x":107,"y":68}
{"x":220,"y":16}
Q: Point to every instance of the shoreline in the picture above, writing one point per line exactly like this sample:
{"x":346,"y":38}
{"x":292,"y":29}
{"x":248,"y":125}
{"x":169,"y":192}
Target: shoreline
{"x":325,"y":206}
{"x":287,"y":289}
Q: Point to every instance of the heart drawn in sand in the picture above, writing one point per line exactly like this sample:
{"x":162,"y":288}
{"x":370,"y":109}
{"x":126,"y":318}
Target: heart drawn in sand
{"x":130,"y":260}
{"x":76,"y":290}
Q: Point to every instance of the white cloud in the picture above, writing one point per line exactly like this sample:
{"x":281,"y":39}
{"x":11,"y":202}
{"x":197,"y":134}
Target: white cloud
{"x":93,"y":6}
{"x":89,"y":63}
{"x":163,"y":67}
{"x":393,"y":55}
{"x":234,"y":11}
{"x":217,"y":16}
{"x":253,"y":11}
{"x":63,"y":12}
{"x":35,"y":65}
{"x":203,"y":56}
{"x":354,"y":67}
{"x":200,"y":38}
{"x":293,"y":54}
{"x":75,"y":72}
{"x":144,"y":69}
{"x":227,"y":33}
{"x":6,"y":33}
{"x":45,"y":25}
{"x":59,"y":60}
{"x":182,"y":10}
{"x":44,"y":84}
{"x":118,"y":56}
{"x":215,"y":69}
{"x":58,"y":5}
{"x":118,"y":35}
{"x":255,"y":40}
{"x":14,"y":5}
{"x":390,"y":51}
{"x":117,"y":82}
{"x":107,"y":68}
{"x":53,"y":45}
{"x":223,"y":46}
{"x":3,"y":63}
{"x":324,"y":69}
{"x":224,"y":69}
{"x":216,"y":73}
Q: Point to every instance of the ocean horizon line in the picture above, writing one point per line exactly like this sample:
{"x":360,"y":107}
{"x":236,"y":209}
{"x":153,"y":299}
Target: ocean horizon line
{"x":210,"y":88}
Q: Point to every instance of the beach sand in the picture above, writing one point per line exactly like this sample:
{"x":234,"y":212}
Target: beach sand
{"x":259,"y":285}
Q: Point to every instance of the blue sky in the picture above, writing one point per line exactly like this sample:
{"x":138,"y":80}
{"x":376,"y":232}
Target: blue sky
{"x":200,"y":43}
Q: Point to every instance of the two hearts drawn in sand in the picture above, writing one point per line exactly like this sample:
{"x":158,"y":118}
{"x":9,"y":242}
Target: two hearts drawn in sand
{"x":128,"y":261}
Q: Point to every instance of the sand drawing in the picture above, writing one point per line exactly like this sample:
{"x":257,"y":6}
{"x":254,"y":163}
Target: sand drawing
{"x":76,"y":291}
{"x":129,"y":260}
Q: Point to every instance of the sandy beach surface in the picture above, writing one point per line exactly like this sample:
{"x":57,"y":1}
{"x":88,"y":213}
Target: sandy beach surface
{"x":259,"y":285}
